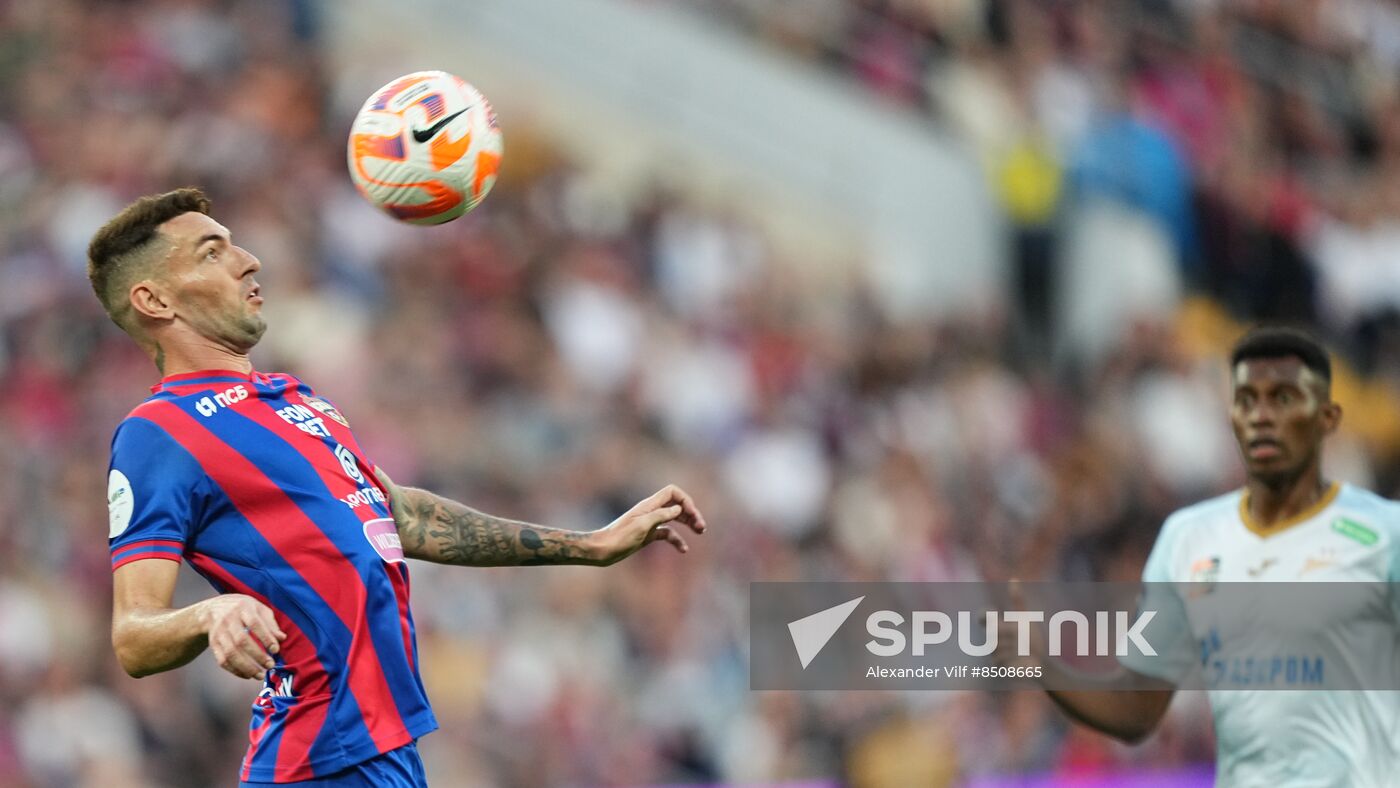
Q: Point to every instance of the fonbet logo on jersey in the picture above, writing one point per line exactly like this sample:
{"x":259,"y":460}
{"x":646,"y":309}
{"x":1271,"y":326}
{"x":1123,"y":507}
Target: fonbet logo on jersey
{"x":121,"y":502}
{"x":304,"y":419}
{"x":810,"y":634}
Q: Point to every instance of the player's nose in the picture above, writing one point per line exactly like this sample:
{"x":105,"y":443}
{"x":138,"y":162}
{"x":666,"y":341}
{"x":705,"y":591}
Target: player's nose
{"x":1260,"y":416}
{"x":251,"y":264}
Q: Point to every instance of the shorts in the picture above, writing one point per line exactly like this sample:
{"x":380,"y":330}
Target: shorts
{"x":399,"y":768}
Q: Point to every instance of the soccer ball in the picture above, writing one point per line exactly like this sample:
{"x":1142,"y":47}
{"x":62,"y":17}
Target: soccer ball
{"x":425,"y":148}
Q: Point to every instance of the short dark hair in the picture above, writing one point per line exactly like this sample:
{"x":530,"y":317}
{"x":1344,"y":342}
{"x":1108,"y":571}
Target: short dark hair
{"x":115,"y":247}
{"x":1283,"y":342}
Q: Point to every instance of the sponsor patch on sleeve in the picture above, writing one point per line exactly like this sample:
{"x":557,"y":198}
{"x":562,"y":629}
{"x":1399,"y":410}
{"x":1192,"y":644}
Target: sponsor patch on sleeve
{"x":121,"y":502}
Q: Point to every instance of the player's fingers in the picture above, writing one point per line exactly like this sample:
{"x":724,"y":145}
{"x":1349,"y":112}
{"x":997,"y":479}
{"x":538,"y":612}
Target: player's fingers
{"x":1006,"y":650}
{"x":692,"y":516}
{"x":257,"y":619}
{"x":243,"y":666}
{"x":650,"y":520}
{"x":248,"y":636}
{"x":383,"y":478}
{"x":387,"y":483}
{"x":664,"y":533}
{"x":231,"y":658}
{"x":259,"y":632}
{"x":660,"y":498}
{"x":264,"y":625}
{"x":249,"y":645}
{"x":1015,"y":593}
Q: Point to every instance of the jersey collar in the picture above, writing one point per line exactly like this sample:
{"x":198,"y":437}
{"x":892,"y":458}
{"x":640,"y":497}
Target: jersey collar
{"x":206,"y":377}
{"x":1279,"y":527}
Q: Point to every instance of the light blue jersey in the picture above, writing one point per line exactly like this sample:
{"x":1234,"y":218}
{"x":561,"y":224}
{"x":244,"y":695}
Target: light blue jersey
{"x":1292,"y":737}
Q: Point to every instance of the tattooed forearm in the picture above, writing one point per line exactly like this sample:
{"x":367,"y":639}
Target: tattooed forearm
{"x":433,"y":528}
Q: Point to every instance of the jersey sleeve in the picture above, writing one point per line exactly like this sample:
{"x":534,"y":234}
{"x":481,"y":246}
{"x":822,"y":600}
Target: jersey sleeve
{"x":1169,"y":631}
{"x":1393,"y":565}
{"x":153,"y":494}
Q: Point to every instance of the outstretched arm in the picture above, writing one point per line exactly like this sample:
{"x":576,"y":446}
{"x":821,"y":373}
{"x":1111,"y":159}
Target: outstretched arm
{"x":1126,"y":715}
{"x":438,"y":529}
{"x":1124,"y":704}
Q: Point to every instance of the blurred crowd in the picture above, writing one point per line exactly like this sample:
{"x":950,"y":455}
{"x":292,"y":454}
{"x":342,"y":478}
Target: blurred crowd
{"x":1259,"y":140}
{"x":555,"y":356}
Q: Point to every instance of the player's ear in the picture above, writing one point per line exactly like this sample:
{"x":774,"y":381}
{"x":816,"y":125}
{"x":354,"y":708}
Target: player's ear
{"x":149,"y":298}
{"x":1331,"y":416}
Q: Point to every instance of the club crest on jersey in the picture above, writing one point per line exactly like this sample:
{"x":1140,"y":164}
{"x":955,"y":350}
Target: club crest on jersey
{"x":327,"y":409}
{"x":1205,"y":571}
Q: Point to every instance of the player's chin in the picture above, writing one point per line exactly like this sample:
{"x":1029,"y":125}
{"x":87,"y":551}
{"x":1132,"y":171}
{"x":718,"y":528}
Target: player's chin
{"x":1272,"y":471}
{"x":250,"y":330}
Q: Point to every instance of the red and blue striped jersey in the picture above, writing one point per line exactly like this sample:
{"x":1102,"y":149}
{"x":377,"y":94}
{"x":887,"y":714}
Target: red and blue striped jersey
{"x":261,"y":486}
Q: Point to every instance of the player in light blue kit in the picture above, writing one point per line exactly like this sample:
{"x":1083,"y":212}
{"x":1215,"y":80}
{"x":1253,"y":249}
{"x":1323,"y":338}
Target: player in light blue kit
{"x":1288,"y":525}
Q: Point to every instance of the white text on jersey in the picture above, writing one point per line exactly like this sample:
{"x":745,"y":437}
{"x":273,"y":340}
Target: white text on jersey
{"x":208,"y":406}
{"x":281,"y":689}
{"x":364,"y":497}
{"x":304,"y":419}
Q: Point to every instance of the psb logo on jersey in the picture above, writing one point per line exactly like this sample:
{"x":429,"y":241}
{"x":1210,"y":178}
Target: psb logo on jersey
{"x":348,"y":464}
{"x":208,"y":406}
{"x":327,"y":409}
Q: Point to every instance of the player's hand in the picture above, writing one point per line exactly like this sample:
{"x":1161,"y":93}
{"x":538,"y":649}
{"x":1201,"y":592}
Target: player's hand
{"x":658,"y":518}
{"x":1007,"y":653}
{"x":243,"y":634}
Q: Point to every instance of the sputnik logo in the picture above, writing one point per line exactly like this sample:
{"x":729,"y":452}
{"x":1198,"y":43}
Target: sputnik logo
{"x":811,"y":634}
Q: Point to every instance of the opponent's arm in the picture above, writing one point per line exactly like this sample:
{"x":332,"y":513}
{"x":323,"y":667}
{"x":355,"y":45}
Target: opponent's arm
{"x":149,"y":636}
{"x":1124,"y":704}
{"x":438,"y":529}
{"x":1126,"y":715}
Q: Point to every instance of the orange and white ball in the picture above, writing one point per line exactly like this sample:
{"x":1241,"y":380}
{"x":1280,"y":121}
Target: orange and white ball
{"x":425,"y":148}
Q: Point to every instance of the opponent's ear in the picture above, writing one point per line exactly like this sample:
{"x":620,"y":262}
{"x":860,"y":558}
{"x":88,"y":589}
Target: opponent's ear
{"x":149,"y":298}
{"x":1331,"y":416}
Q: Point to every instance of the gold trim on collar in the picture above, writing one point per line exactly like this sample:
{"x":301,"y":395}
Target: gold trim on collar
{"x":1283,"y":525}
